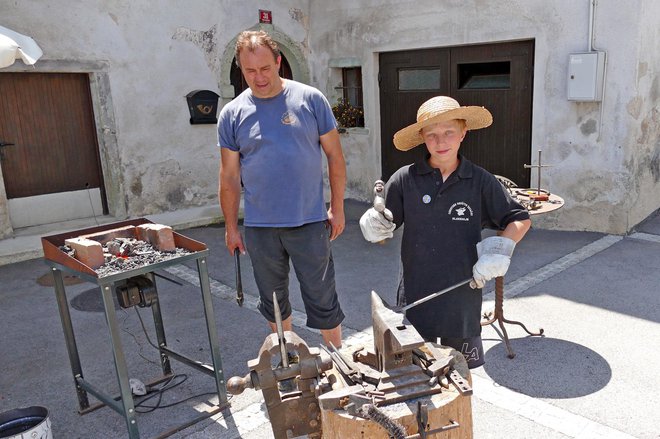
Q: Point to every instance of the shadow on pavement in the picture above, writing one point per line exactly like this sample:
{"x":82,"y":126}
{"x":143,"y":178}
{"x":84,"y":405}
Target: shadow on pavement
{"x":548,"y":368}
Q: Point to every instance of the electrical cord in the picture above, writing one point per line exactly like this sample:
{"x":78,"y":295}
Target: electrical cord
{"x":91,"y":203}
{"x":144,"y":329}
{"x":126,"y":315}
{"x":170,"y":383}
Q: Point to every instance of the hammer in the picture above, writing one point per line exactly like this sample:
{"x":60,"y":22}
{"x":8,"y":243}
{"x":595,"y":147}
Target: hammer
{"x":379,"y":200}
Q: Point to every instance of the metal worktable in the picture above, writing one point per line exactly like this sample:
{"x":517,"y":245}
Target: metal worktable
{"x":60,"y":262}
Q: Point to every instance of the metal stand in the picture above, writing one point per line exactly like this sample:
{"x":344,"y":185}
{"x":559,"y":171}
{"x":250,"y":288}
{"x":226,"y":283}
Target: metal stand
{"x":534,"y":207}
{"x":124,"y":404}
{"x":498,"y":316}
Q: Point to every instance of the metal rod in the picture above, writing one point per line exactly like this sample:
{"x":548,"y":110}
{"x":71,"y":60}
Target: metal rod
{"x":99,"y":405}
{"x":538,"y":191}
{"x":69,"y":337}
{"x":211,"y":329}
{"x":197,"y":365}
{"x":162,"y":276}
{"x":158,"y":325}
{"x":538,"y":167}
{"x":107,"y":293}
{"x":106,"y":399}
{"x":280,"y":331}
{"x":239,"y":280}
{"x":592,"y":7}
{"x":434,"y":295}
{"x":182,"y":427}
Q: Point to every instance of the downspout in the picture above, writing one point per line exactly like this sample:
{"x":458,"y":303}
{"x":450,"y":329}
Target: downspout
{"x":592,"y":14}
{"x":592,"y":6}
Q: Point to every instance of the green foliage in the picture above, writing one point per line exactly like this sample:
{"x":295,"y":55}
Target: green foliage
{"x":347,"y":115}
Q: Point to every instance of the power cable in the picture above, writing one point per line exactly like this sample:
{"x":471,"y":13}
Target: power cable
{"x":136,"y":340}
{"x":170,"y":383}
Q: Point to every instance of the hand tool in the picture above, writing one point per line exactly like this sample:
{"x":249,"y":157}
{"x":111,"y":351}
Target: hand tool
{"x":239,"y":281}
{"x":379,"y":200}
{"x":434,"y":295}
{"x":346,"y":368}
{"x":280,"y":331}
{"x":379,"y":203}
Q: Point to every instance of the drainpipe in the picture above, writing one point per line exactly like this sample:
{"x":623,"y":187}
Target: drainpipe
{"x":592,"y":13}
{"x":592,"y":6}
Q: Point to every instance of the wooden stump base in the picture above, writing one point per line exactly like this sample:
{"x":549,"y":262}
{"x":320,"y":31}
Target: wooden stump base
{"x":443,"y":409}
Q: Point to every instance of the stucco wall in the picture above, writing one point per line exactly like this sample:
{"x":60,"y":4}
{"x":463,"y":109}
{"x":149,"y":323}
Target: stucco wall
{"x":145,"y":57}
{"x":605,"y":155}
{"x":148,"y":56}
{"x":643,"y":114}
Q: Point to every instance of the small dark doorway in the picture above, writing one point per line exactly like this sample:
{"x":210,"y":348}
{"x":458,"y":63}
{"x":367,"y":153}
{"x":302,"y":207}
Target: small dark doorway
{"x":496,"y":76}
{"x":236,"y":77}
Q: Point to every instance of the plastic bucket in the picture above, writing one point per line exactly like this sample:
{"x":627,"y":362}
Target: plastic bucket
{"x":25,"y":423}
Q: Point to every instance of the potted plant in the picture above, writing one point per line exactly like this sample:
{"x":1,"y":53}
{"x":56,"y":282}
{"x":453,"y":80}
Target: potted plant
{"x":347,"y":115}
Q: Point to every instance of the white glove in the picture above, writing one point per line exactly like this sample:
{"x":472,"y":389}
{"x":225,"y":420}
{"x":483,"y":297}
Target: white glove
{"x":494,"y":259}
{"x":377,"y":226}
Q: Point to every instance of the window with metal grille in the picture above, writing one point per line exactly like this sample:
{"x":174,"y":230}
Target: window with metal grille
{"x":349,"y":111}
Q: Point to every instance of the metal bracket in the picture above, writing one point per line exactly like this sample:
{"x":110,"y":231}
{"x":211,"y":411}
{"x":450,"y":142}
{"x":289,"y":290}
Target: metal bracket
{"x":461,"y":383}
{"x":423,"y":423}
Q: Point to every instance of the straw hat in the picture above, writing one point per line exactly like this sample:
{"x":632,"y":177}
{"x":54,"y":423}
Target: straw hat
{"x":440,"y":109}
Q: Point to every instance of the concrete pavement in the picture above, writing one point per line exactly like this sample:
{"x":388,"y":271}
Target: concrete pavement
{"x":592,"y":374}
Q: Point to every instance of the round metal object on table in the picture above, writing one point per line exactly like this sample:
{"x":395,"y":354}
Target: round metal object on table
{"x":526,"y":192}
{"x":553,"y":203}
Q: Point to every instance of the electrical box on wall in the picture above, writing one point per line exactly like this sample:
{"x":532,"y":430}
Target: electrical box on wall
{"x":586,"y":72}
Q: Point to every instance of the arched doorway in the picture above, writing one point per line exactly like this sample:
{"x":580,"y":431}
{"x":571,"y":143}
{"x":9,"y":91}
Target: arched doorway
{"x":238,"y":82}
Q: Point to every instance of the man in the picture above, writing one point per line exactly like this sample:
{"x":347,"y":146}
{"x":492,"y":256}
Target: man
{"x":444,"y":201}
{"x":272,"y":137}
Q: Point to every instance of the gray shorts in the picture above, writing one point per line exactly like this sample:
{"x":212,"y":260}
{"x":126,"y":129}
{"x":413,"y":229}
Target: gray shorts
{"x":308,"y":248}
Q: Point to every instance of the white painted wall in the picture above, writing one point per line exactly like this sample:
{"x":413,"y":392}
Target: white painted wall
{"x":154,"y":53}
{"x":606,"y":155}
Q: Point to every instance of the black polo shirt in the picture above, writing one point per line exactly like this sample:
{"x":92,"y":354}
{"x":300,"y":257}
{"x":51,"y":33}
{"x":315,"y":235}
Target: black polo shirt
{"x":443,"y":223}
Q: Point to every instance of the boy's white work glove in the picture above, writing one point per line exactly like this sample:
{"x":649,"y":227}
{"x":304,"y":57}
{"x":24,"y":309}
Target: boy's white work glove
{"x":494,"y":258}
{"x":377,"y":226}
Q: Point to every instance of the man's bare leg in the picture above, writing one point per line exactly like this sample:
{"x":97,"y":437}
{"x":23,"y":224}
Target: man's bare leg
{"x":329,"y":335}
{"x":332,"y":335}
{"x":286,"y":325}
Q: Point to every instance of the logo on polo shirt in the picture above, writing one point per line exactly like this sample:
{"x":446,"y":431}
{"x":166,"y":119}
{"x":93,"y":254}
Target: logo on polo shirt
{"x":460,"y":211}
{"x":288,"y":118}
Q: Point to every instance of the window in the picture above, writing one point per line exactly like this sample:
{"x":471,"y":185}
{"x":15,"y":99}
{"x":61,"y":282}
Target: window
{"x":492,"y":75}
{"x":419,"y":79}
{"x":349,"y":111}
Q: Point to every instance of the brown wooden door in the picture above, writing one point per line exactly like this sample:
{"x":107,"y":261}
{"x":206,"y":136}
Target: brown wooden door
{"x":49,"y":119}
{"x":496,"y":76}
{"x":407,"y":79}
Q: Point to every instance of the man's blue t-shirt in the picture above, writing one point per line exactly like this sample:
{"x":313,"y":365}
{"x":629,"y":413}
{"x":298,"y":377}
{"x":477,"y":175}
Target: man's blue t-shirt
{"x":280,"y":153}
